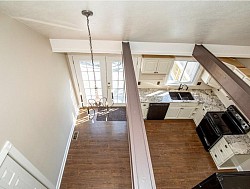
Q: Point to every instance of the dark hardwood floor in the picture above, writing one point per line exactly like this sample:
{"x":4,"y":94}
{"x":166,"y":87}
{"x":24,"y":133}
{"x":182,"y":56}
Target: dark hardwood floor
{"x":100,"y":156}
{"x":178,"y":157}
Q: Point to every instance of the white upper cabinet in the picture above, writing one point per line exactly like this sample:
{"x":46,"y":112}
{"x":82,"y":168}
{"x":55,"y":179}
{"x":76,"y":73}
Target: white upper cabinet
{"x":156,"y":65}
{"x":149,"y":65}
{"x":247,"y":80}
{"x":209,"y":80}
{"x":239,"y":73}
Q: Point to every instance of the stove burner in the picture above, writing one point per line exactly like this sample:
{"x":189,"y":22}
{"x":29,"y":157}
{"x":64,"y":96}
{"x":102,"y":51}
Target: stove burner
{"x":234,"y":115}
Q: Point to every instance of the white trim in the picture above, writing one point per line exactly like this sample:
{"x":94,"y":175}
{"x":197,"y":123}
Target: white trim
{"x":177,"y":49}
{"x":9,"y":149}
{"x":59,"y":180}
{"x":4,"y":152}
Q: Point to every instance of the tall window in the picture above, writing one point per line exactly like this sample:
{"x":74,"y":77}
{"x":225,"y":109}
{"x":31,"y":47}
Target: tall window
{"x":183,"y":72}
{"x":118,"y":84}
{"x":88,"y":79}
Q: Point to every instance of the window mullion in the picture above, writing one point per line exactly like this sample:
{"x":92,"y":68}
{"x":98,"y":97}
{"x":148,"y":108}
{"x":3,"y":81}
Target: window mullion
{"x":183,"y":71}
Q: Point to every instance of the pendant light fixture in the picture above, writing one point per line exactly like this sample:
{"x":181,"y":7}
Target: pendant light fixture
{"x":89,"y":13}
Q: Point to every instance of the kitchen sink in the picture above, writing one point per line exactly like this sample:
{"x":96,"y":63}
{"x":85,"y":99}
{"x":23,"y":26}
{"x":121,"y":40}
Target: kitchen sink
{"x":181,"y":96}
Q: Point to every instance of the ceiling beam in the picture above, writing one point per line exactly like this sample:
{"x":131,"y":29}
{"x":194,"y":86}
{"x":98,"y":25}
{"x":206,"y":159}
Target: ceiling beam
{"x":237,"y":89}
{"x":150,"y":48}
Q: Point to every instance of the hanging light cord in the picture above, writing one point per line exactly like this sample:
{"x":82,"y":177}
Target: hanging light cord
{"x":91,"y":50}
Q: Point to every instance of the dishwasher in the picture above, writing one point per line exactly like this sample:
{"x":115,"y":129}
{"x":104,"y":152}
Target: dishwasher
{"x":157,"y":111}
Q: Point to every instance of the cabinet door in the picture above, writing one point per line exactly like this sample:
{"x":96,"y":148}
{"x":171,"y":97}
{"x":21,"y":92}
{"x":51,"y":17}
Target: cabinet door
{"x":172,"y":113}
{"x":209,"y":80}
{"x":239,"y":73}
{"x":198,"y":116}
{"x":164,"y":65}
{"x":224,"y":150}
{"x":216,"y":155}
{"x":247,"y":80}
{"x":185,"y":112}
{"x":149,"y":65}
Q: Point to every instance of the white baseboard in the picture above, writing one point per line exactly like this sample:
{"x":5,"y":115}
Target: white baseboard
{"x":59,"y":180}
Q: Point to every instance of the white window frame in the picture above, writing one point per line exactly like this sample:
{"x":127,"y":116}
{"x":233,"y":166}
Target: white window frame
{"x":196,"y":77}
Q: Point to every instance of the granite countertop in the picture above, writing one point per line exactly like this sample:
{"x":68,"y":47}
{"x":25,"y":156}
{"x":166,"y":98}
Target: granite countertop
{"x":206,"y":97}
{"x":240,"y":144}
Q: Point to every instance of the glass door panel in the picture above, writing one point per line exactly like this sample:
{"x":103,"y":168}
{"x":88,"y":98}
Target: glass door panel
{"x":116,"y":78}
{"x":89,"y":75}
{"x":109,"y":75}
{"x":86,"y":77}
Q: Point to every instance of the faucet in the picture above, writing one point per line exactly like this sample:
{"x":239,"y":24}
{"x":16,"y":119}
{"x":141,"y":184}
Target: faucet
{"x":183,"y":85}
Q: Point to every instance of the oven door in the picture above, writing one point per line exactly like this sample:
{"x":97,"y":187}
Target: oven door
{"x":207,"y":133}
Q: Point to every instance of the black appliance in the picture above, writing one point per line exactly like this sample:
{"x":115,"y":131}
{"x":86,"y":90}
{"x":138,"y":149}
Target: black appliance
{"x":235,"y":180}
{"x":157,"y":111}
{"x":216,"y":124}
{"x":233,"y":117}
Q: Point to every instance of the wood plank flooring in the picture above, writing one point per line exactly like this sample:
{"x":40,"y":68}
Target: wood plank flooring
{"x":178,"y":157}
{"x":100,"y":156}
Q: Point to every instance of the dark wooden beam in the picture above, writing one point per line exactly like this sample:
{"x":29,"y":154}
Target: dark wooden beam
{"x":237,"y":89}
{"x":142,"y":170}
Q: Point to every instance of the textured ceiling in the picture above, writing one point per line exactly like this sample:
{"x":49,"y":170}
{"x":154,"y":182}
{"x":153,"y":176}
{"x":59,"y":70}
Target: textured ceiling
{"x":226,"y":23}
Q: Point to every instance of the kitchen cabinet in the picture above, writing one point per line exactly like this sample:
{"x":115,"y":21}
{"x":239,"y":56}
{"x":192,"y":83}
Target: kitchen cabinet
{"x":198,"y":115}
{"x":156,"y":65}
{"x":247,"y":80}
{"x":144,"y":108}
{"x":209,"y":80}
{"x":239,"y":73}
{"x":231,"y":151}
{"x":181,"y":110}
{"x":230,"y":66}
{"x":172,"y":112}
{"x":224,"y":97}
{"x":245,"y":71}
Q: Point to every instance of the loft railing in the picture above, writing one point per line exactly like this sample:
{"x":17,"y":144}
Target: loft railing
{"x":141,"y":165}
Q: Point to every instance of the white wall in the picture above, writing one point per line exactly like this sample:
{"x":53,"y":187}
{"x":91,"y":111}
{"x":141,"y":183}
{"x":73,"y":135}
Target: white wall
{"x":37,"y":102}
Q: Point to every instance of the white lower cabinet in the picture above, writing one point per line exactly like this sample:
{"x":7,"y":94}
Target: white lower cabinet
{"x":221,"y":153}
{"x":186,"y":112}
{"x":198,"y":115}
{"x":181,"y":110}
{"x":172,"y":112}
{"x":225,"y":157}
{"x":144,"y":108}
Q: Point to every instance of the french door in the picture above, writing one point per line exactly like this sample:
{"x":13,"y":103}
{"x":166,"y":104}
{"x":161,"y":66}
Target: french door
{"x":109,"y":76}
